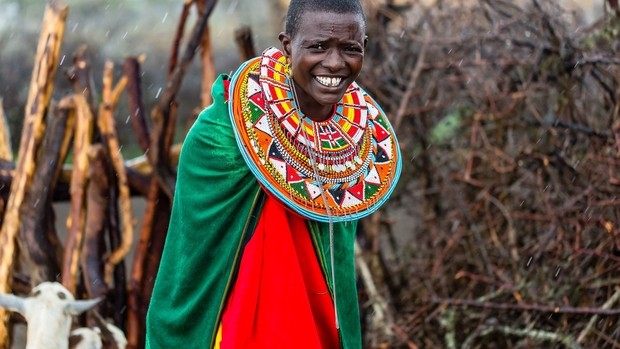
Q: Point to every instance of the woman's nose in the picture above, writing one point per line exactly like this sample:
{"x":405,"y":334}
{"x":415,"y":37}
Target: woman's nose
{"x":333,"y":60}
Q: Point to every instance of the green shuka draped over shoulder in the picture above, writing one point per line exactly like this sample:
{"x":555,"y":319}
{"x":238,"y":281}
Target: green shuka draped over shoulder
{"x":216,"y":204}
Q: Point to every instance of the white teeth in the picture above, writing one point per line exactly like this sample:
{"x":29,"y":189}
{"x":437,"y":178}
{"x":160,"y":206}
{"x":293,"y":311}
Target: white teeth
{"x":327,"y":81}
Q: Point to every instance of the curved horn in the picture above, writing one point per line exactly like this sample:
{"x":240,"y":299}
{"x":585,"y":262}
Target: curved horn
{"x":78,"y":307}
{"x":12,"y":302}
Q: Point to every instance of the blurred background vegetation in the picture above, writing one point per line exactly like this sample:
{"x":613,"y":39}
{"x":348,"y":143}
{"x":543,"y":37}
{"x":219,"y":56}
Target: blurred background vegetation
{"x":114,"y":29}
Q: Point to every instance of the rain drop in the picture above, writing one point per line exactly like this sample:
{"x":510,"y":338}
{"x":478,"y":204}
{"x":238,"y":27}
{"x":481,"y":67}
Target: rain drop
{"x":124,"y":36}
{"x":75,"y":27}
{"x":62,"y":59}
{"x":232,"y":7}
{"x":529,"y":261}
{"x":557,"y":271}
{"x":165,"y":16}
{"x":158,"y":92}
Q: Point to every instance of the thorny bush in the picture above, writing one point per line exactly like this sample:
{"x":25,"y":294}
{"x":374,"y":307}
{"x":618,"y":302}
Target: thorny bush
{"x":508,"y":121}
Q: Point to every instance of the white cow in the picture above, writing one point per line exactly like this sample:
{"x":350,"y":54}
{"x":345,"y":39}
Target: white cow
{"x":48,"y":311}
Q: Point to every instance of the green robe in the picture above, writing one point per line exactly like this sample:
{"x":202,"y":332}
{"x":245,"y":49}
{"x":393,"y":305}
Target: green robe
{"x":216,"y":205}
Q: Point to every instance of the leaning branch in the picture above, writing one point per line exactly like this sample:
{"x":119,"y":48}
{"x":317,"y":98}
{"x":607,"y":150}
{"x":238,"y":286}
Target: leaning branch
{"x":40,"y":93}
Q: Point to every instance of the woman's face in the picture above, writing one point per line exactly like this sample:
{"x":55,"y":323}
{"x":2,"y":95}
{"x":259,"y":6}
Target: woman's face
{"x":326,"y":56}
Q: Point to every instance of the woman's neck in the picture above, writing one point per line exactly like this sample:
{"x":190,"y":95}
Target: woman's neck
{"x":308,"y":107}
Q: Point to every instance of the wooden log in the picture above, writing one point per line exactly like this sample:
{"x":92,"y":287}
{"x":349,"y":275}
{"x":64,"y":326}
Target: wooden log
{"x":139,"y":182}
{"x":135,"y":326}
{"x":79,"y":74}
{"x":207,"y":68}
{"x":178,"y":37}
{"x":162,"y":114}
{"x":118,"y":296}
{"x":158,"y":238}
{"x":207,"y":63}
{"x":138,"y":171}
{"x":245,"y":44}
{"x":93,"y":250}
{"x":146,"y":263}
{"x":79,"y":179}
{"x":108,"y":132}
{"x":39,"y":242}
{"x":39,"y":95}
{"x":6,"y":150}
{"x":137,"y":114}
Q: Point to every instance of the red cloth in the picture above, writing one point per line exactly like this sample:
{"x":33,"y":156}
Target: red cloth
{"x":280,"y":298}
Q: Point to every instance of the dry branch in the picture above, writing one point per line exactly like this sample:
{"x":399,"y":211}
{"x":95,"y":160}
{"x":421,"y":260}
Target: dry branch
{"x":6,"y":150}
{"x":108,"y":131}
{"x":207,"y":67}
{"x":79,"y":182}
{"x":245,"y":44}
{"x":40,"y":92}
{"x":39,"y":242}
{"x":164,"y":113}
{"x":93,"y":249}
{"x":136,"y":106}
{"x":602,"y":311}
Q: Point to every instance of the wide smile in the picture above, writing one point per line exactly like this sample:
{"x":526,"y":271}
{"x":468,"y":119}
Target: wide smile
{"x":329,"y":81}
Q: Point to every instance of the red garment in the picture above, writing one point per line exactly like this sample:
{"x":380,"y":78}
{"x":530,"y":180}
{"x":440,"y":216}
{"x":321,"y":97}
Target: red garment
{"x":280,"y":298}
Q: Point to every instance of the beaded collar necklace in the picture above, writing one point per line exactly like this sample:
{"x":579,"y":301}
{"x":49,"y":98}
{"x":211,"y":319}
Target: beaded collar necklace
{"x":339,"y":169}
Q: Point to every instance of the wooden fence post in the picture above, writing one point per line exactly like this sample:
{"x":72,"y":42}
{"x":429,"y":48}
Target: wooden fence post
{"x":40,"y":93}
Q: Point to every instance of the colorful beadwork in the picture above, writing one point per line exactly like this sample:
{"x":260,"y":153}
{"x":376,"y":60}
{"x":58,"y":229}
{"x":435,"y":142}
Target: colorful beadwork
{"x":353,"y":155}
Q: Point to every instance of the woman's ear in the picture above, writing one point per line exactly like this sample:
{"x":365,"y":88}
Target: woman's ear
{"x":285,"y":40}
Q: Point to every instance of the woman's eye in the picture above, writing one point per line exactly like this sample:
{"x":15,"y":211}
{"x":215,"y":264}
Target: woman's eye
{"x":353,"y":49}
{"x":317,"y":46}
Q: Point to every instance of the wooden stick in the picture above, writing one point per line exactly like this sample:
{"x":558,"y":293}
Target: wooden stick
{"x":206,"y":59}
{"x":79,"y":74}
{"x":162,"y":120}
{"x":412,"y":83}
{"x":603,"y":311}
{"x":178,"y":37}
{"x":40,"y":93}
{"x":6,"y":150}
{"x":137,"y":115}
{"x":134,"y":318}
{"x":79,"y":181}
{"x":207,"y":68}
{"x":38,"y":239}
{"x":607,"y":306}
{"x":108,"y":131}
{"x":245,"y":44}
{"x":97,"y":194}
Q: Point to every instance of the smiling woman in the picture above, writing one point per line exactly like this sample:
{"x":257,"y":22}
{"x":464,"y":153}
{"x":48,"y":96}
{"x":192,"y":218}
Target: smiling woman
{"x":326,"y":56}
{"x":272,"y":179}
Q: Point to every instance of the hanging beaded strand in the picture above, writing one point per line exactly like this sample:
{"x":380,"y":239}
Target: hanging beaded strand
{"x":324,"y":197}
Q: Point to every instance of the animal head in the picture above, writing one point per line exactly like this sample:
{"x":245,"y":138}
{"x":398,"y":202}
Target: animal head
{"x":48,"y":311}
